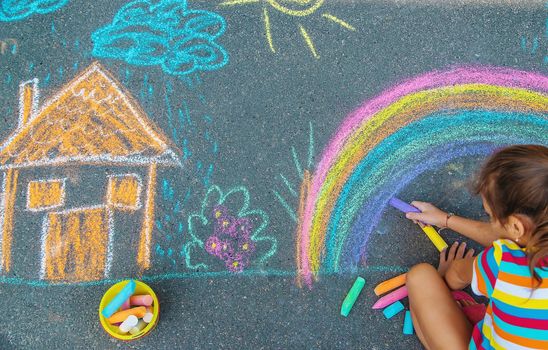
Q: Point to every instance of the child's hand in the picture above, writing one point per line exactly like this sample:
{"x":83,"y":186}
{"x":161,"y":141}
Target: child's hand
{"x":456,"y":252}
{"x":430,"y":214}
{"x":458,"y":266}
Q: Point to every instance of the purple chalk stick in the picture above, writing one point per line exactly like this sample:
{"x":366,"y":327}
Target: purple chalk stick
{"x":402,"y":206}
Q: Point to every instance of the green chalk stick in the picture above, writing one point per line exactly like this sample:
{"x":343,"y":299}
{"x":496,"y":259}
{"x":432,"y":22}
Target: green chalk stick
{"x":352,"y":296}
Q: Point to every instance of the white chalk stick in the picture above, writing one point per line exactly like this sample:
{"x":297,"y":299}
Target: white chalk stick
{"x":130,"y":322}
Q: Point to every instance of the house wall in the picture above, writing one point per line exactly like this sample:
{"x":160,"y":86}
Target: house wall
{"x":85,"y":186}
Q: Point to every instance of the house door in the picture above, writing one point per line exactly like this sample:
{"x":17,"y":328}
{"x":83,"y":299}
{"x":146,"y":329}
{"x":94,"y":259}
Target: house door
{"x":75,"y":245}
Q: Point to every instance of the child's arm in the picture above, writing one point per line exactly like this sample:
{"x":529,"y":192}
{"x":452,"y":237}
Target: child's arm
{"x":479,"y":231}
{"x":459,"y":273}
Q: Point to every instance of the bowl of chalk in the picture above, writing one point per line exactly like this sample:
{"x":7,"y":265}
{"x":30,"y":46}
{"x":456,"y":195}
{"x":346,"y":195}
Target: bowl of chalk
{"x":129,"y":310}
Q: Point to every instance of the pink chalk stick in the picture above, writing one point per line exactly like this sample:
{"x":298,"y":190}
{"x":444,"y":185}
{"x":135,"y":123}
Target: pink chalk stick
{"x":141,"y":300}
{"x":391,"y":298}
{"x":125,"y":305}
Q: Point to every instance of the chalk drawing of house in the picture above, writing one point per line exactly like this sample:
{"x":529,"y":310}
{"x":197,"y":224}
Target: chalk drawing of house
{"x":77,"y":173}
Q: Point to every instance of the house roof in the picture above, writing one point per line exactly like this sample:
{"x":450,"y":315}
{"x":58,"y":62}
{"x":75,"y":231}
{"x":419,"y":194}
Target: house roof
{"x":92,"y":120}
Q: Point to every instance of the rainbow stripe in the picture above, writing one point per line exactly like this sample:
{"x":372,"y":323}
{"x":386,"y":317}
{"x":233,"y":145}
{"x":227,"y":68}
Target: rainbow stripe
{"x":417,"y":126}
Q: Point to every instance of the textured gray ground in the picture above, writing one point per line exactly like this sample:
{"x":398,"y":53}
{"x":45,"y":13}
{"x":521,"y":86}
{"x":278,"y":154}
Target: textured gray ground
{"x":260,"y":105}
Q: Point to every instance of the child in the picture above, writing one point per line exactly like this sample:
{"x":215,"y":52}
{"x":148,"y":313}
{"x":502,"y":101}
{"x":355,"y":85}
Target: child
{"x":512,"y":271}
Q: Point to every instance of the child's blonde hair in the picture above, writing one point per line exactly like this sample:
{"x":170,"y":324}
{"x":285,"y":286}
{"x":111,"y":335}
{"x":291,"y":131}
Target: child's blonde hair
{"x":514,"y":181}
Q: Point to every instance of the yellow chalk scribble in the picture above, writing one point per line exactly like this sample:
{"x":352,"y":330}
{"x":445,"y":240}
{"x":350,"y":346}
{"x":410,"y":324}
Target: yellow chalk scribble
{"x":309,"y":42}
{"x":124,"y":192}
{"x":294,"y":8}
{"x":75,"y":245}
{"x":43,"y":195}
{"x":267,"y":29}
{"x":338,"y":21}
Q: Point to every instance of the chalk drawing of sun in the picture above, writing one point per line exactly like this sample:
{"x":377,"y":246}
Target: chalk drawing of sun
{"x":295,"y":8}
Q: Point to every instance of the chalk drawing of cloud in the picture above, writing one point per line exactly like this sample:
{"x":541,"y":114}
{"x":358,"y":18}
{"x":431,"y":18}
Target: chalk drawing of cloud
{"x":15,"y":10}
{"x":163,"y":33}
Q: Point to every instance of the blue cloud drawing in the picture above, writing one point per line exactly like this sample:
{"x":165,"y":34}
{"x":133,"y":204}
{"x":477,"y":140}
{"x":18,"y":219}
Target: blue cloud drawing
{"x":15,"y":10}
{"x":163,"y":33}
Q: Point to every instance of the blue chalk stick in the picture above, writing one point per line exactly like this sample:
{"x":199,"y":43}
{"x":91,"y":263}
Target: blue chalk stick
{"x":119,"y":299}
{"x":392,"y":309}
{"x":407,"y":323}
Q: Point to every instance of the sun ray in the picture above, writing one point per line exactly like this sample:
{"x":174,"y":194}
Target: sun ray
{"x":338,"y":21}
{"x":267,"y":29}
{"x":238,"y":2}
{"x":309,"y":42}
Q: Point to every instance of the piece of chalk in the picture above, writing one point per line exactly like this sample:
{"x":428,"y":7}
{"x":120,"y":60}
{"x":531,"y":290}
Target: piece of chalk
{"x":119,"y":299}
{"x":126,"y":305}
{"x":138,"y":328}
{"x":130,"y":322}
{"x":390,"y":284}
{"x":407,"y":323}
{"x":402,"y":206}
{"x":434,"y":237}
{"x":141,"y":300}
{"x":148,"y":316}
{"x":429,"y":230}
{"x":393,"y":309}
{"x":120,"y":316}
{"x":390,"y":298}
{"x":352,"y":295}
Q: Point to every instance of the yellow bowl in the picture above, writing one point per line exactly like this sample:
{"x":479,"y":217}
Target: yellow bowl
{"x":140,"y":288}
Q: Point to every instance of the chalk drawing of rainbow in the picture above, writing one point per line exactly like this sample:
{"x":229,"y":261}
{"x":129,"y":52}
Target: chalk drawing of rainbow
{"x":417,"y":126}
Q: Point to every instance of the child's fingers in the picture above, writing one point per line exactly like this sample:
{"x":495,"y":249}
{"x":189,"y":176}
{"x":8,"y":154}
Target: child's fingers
{"x":461,"y":251}
{"x":470,"y":253}
{"x":416,"y":217}
{"x":422,"y":206}
{"x":452,"y":251}
{"x":412,"y":216}
{"x":443,"y":255}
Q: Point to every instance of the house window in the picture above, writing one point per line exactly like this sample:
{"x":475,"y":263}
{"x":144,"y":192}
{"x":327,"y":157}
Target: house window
{"x":124,"y":191}
{"x":45,"y":194}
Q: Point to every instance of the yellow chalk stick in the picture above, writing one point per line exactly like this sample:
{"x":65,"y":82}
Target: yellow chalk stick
{"x":434,"y":237}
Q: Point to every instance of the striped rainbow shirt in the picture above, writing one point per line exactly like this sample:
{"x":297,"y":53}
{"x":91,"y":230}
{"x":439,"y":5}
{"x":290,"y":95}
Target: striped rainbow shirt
{"x":517,"y":316}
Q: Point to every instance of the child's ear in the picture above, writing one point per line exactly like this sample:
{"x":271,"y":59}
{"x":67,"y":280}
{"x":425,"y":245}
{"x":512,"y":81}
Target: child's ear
{"x":517,"y":227}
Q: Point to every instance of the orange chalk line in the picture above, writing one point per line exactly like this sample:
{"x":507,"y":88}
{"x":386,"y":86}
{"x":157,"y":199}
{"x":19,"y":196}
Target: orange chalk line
{"x":123,"y":135}
{"x":303,"y":193}
{"x":124,"y":191}
{"x":28,"y":101}
{"x":74,"y":244}
{"x":8,"y":205}
{"x":143,"y":255}
{"x":94,"y":93}
{"x":46,"y":194}
{"x":390,"y":284}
